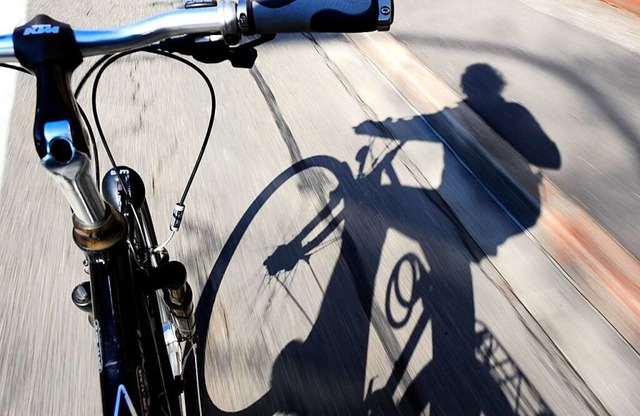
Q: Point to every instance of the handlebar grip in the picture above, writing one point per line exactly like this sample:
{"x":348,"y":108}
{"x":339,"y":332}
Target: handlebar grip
{"x":345,"y":16}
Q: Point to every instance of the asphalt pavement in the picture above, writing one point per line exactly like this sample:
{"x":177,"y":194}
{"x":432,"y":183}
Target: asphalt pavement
{"x":557,"y":81}
{"x":345,"y":260}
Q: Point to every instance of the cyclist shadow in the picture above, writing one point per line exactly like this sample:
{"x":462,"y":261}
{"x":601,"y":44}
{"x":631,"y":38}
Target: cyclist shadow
{"x":483,"y":86}
{"x":326,"y":374}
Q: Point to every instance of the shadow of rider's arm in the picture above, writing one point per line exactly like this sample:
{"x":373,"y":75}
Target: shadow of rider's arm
{"x":286,"y":256}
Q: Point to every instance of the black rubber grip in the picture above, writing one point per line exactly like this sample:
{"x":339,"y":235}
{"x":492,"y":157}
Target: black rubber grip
{"x":346,"y":16}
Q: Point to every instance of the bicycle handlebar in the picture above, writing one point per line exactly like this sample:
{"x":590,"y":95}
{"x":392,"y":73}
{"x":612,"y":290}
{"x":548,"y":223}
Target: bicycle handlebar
{"x":52,"y":50}
{"x":229,"y":19}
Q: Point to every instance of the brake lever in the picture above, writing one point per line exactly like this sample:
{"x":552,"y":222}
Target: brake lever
{"x":213,"y":50}
{"x":245,"y":55}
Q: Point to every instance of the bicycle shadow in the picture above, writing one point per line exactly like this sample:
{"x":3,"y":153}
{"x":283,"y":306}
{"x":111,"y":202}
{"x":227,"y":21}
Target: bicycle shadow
{"x":326,"y":374}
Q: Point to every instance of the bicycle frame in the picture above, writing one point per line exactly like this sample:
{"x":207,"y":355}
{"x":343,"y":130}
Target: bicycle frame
{"x":134,"y":375}
{"x":119,"y":353}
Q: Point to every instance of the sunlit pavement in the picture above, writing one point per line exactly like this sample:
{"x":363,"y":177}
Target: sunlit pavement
{"x":393,"y":275}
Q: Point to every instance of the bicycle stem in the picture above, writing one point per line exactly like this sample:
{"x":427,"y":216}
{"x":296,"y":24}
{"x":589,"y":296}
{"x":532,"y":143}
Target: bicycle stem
{"x":72,"y":171}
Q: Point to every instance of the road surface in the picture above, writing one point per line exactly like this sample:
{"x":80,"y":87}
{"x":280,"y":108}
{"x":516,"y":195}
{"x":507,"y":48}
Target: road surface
{"x":384,"y":277}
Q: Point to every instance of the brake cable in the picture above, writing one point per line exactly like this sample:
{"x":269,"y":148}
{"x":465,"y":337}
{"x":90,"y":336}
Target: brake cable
{"x":102,"y":64}
{"x":16,"y":68}
{"x":178,"y":211}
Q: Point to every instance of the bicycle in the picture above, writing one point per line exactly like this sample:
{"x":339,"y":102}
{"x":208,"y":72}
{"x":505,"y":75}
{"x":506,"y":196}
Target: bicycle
{"x":139,"y":302}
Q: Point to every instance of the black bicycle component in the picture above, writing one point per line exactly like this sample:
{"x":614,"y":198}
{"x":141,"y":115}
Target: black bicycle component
{"x":81,"y":296}
{"x":45,"y":40}
{"x":169,"y":275}
{"x":180,"y":303}
{"x":212,"y":50}
{"x":48,"y":48}
{"x":15,"y":68}
{"x":125,"y":322}
{"x":117,"y":193}
{"x":119,"y":354}
{"x":54,"y":102}
{"x":126,"y":317}
{"x":205,"y":142}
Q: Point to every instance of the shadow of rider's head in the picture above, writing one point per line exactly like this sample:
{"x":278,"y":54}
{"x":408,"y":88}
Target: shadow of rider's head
{"x":484,"y":87}
{"x":482,"y":80}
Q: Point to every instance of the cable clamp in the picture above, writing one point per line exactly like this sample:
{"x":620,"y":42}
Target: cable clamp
{"x":176,"y":218}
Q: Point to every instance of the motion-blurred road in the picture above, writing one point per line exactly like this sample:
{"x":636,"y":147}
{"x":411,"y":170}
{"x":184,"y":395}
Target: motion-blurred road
{"x":386,"y":278}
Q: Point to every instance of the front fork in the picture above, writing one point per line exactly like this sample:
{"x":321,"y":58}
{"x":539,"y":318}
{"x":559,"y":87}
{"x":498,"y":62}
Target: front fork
{"x":127,"y":319}
{"x":119,"y":324}
{"x":124,"y":189}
